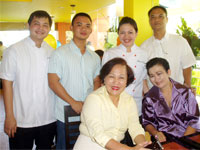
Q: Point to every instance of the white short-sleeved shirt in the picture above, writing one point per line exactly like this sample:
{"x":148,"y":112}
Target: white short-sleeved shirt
{"x":175,"y":49}
{"x":76,"y":73}
{"x":136,"y":59}
{"x":26,"y":65}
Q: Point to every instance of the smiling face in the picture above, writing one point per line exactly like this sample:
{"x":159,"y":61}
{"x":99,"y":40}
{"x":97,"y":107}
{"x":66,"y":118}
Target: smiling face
{"x":115,"y":82}
{"x":39,"y":29}
{"x":81,"y":28}
{"x":159,"y":77}
{"x":127,"y":35}
{"x":158,"y":19}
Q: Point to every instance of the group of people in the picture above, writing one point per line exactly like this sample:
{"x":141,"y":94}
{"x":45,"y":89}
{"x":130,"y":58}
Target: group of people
{"x":113,"y":98}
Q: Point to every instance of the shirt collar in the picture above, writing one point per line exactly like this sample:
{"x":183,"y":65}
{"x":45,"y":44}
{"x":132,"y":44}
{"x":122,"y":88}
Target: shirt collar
{"x":166,"y":37}
{"x":32,"y":43}
{"x":76,"y":49}
{"x":122,"y":47}
{"x":155,"y":91}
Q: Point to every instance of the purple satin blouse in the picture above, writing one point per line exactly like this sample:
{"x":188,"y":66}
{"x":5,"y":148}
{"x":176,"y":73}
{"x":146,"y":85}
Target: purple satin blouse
{"x":183,"y":113}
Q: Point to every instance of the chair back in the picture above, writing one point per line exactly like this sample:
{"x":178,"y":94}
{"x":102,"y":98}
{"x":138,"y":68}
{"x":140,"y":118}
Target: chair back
{"x":72,"y":122}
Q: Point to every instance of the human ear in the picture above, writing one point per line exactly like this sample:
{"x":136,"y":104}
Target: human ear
{"x":169,"y":72}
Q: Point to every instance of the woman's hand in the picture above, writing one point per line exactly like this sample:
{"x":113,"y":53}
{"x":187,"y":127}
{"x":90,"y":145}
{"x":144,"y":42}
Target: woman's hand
{"x":161,"y":137}
{"x":141,"y":146}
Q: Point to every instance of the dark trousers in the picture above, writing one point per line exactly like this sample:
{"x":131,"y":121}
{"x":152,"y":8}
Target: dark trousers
{"x":42,"y":135}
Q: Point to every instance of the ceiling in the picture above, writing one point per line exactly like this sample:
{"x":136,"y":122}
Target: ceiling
{"x":20,"y":10}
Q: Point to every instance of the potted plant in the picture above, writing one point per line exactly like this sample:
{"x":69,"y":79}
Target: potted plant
{"x":190,"y":36}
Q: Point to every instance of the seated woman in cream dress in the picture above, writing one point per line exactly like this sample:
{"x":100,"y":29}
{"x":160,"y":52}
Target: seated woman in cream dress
{"x":109,"y":111}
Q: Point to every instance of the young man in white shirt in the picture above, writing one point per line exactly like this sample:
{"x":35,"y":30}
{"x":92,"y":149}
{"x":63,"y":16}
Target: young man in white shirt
{"x":73,"y":73}
{"x":27,"y":96}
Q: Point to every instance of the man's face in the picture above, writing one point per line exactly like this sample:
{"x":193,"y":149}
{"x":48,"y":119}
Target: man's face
{"x":82,"y":28}
{"x":39,"y":28}
{"x":158,"y":20}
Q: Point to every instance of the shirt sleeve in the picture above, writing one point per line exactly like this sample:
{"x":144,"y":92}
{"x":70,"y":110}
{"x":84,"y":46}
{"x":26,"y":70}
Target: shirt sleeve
{"x":8,"y":65}
{"x":55,"y":64}
{"x":91,"y":116}
{"x":148,"y":116}
{"x":192,"y":111}
{"x":134,"y":126}
{"x":187,"y":58}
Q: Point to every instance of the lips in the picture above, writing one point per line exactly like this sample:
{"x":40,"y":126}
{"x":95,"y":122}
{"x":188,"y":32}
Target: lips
{"x":115,"y":88}
{"x":84,"y":34}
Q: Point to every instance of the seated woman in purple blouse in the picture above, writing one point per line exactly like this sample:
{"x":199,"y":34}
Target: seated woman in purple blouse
{"x":169,"y":107}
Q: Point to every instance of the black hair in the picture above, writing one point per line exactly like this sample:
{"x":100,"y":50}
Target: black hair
{"x":99,"y":52}
{"x":107,"y":67}
{"x":40,"y":14}
{"x":157,"y":61}
{"x":81,"y":14}
{"x":155,"y":7}
{"x":128,"y":20}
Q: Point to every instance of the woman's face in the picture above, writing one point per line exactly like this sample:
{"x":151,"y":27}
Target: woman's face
{"x":159,"y":77}
{"x":115,"y":82}
{"x":127,"y":35}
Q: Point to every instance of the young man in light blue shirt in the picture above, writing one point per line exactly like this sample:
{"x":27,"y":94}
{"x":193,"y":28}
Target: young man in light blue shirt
{"x":73,"y":73}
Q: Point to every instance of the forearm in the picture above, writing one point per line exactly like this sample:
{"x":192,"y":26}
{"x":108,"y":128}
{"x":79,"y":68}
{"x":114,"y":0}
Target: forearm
{"x":189,"y":131}
{"x":153,"y":131}
{"x":8,"y":97}
{"x":187,"y":74}
{"x":58,"y":89}
{"x":139,"y":139}
{"x":145,"y":86}
{"x":97,"y":83}
{"x":114,"y":145}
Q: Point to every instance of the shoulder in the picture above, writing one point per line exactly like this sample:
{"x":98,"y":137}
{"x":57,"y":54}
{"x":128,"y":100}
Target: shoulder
{"x":147,"y":42}
{"x":176,"y":38}
{"x":127,"y":97}
{"x":182,"y":89}
{"x":16,"y":47}
{"x":96,"y":97}
{"x":141,"y":51}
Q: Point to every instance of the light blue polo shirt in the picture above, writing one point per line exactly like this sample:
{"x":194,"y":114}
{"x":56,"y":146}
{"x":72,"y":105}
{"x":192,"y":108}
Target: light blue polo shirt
{"x":76,"y":73}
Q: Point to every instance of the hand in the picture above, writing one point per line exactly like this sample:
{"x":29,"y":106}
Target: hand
{"x":194,"y":91}
{"x":10,"y":126}
{"x":161,"y":137}
{"x":77,"y":106}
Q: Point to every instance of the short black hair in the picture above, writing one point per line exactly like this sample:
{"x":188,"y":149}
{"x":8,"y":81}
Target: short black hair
{"x":99,"y":52}
{"x":155,"y":7}
{"x":128,"y":20}
{"x":107,"y":67}
{"x":40,"y":14}
{"x":157,"y":61}
{"x":81,"y":14}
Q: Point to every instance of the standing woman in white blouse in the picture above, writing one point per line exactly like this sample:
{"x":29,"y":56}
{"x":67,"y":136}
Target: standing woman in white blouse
{"x":134,"y":56}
